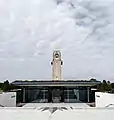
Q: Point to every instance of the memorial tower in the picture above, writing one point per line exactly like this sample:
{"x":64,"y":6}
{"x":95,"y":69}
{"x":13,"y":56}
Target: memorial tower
{"x":56,"y":65}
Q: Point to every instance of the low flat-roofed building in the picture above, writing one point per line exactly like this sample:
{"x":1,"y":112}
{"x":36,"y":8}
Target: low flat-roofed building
{"x":70,"y":91}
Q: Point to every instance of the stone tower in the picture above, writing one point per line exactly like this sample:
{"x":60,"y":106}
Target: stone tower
{"x":56,"y":65}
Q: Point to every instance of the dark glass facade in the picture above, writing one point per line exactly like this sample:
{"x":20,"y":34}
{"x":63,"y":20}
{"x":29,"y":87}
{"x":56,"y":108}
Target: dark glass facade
{"x":55,"y":94}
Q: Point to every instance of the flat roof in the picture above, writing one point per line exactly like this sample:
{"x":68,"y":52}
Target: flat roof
{"x":56,"y":83}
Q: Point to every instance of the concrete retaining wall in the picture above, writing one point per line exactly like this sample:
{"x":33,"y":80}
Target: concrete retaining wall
{"x":104,"y":99}
{"x":8,"y":99}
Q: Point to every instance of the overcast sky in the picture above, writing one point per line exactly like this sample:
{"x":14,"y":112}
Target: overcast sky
{"x":31,"y":29}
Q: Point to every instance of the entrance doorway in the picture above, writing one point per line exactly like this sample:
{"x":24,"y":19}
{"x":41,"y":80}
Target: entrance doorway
{"x":56,"y":95}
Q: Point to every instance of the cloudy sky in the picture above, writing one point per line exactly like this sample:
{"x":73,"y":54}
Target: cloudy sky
{"x":31,"y":29}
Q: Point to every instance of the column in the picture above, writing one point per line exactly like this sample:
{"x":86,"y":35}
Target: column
{"x":44,"y":95}
{"x":87,"y":94}
{"x":23,"y":95}
{"x":67,"y":95}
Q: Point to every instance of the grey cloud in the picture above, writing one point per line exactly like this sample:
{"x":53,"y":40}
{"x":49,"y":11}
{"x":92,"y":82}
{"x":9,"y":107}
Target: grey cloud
{"x":81,"y":29}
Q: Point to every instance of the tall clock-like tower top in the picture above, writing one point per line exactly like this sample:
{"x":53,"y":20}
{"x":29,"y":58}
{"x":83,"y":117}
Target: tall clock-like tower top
{"x":56,"y":65}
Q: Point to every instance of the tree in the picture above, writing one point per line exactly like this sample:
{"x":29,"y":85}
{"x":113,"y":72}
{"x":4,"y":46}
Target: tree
{"x":1,"y":85}
{"x":112,"y":85}
{"x":104,"y":81}
{"x":6,"y":85}
{"x":6,"y":82}
{"x":93,"y":80}
{"x":105,"y":86}
{"x":108,"y":82}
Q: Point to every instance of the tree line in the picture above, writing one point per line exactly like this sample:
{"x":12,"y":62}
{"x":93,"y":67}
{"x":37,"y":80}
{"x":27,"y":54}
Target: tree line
{"x":106,"y":86}
{"x":6,"y":86}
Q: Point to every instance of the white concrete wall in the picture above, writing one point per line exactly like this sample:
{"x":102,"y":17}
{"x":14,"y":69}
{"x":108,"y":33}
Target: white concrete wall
{"x":104,"y":99}
{"x":69,"y":114}
{"x":8,"y":99}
